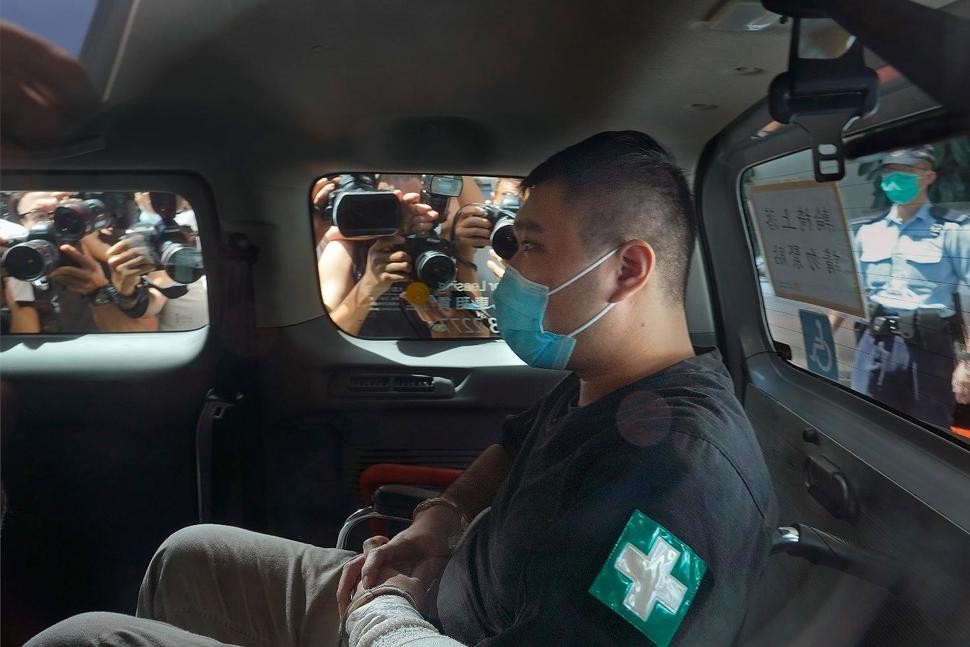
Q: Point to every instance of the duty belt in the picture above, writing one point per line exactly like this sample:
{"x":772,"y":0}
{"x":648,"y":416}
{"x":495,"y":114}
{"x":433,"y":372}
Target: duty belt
{"x":907,"y":324}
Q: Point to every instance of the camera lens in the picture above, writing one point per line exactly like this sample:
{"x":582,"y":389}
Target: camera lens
{"x":31,"y":260}
{"x":503,"y":238}
{"x":76,"y":220}
{"x":182,"y":264}
{"x":435,"y":268}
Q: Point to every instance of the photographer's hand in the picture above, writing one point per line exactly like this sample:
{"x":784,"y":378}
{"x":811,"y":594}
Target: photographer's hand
{"x":418,"y":218}
{"x":472,"y":231}
{"x":497,"y":264}
{"x":385,"y":267}
{"x":127,"y":265}
{"x":322,"y":189}
{"x":86,"y":278}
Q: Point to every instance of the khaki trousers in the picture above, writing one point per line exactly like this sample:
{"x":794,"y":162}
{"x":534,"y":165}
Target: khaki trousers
{"x":213,"y":585}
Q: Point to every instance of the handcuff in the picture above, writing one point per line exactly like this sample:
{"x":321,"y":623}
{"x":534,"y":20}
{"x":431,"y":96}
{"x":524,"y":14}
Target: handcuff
{"x":433,"y":501}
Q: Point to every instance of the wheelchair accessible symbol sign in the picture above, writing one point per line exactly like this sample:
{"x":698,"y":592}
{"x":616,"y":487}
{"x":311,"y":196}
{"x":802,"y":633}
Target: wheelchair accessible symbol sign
{"x":819,"y":344}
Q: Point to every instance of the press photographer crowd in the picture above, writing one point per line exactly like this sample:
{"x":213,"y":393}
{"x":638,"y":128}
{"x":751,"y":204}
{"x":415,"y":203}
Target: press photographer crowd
{"x":413,"y":256}
{"x":398,"y":256}
{"x":100,"y":262}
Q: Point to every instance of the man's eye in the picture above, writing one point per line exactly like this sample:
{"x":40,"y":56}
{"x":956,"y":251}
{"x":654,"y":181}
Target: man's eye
{"x":528,"y":246}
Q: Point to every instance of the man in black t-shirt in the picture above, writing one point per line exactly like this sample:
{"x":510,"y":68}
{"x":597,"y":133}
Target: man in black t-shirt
{"x":630,"y":506}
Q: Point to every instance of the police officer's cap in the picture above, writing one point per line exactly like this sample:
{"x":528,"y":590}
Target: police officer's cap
{"x":911,"y":156}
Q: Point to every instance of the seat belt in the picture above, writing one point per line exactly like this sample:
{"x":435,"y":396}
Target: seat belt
{"x":236,"y":368}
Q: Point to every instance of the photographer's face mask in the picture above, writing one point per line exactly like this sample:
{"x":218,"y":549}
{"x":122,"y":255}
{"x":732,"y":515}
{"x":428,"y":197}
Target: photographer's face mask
{"x":520,"y":307}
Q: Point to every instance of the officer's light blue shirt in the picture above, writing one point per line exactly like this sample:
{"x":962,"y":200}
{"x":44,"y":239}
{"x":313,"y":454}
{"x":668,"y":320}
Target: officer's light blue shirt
{"x":919,"y":263}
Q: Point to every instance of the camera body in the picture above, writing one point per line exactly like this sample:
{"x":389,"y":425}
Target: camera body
{"x":502,"y":219}
{"x":35,"y":256}
{"x":169,"y":248}
{"x":360,"y":210}
{"x":434,"y":259}
{"x":121,"y":211}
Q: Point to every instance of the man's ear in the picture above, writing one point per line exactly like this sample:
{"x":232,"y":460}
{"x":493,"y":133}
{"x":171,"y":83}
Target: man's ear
{"x":637,"y":264}
{"x":931,"y":177}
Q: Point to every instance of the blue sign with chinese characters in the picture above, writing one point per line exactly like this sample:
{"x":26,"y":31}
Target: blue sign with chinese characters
{"x":819,"y":344}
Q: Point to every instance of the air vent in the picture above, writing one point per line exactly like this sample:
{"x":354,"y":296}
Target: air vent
{"x":369,"y":383}
{"x":401,"y":386}
{"x":409,"y":383}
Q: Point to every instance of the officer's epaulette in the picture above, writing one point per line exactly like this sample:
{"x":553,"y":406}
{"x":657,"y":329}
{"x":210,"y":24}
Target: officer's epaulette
{"x":941,"y":214}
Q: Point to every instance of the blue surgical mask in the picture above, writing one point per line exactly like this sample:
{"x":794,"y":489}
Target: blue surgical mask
{"x":900,"y":187}
{"x":520,"y":307}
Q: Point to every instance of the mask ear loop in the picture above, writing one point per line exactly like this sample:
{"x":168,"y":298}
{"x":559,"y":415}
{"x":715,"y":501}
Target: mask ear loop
{"x":597,"y":263}
{"x":600,"y":315}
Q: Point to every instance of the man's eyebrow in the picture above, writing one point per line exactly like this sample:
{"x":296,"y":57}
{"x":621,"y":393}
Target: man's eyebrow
{"x":527,"y":224}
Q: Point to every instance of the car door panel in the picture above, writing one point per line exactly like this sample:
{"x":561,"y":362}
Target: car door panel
{"x":909,"y":486}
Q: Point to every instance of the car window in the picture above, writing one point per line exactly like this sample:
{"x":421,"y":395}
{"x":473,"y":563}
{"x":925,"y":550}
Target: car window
{"x":866,"y":279}
{"x":84,"y":262}
{"x":413,"y":256}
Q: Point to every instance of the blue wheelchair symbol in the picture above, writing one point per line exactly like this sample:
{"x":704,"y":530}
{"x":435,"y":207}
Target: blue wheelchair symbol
{"x":819,"y":344}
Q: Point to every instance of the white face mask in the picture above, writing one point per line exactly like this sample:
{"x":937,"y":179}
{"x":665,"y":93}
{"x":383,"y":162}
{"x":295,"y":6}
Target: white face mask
{"x":520,"y":307}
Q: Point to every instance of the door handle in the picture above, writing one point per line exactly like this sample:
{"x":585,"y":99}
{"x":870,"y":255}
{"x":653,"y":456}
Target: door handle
{"x":828,"y":485}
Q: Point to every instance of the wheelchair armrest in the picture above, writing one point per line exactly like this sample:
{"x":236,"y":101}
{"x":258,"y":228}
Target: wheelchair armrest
{"x":400,"y":500}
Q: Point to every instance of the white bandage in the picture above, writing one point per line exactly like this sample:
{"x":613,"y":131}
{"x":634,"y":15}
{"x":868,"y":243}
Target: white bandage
{"x":390,"y":621}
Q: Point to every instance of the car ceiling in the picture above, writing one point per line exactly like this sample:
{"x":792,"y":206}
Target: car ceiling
{"x":486,"y":87}
{"x":385,"y":82}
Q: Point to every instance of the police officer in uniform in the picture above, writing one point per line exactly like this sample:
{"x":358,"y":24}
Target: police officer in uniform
{"x":913,"y":260}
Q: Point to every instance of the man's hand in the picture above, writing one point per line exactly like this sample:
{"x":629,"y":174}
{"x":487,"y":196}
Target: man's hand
{"x":418,"y":553}
{"x":961,"y":383}
{"x":385,"y":266}
{"x":83,"y":279}
{"x":127,"y":264}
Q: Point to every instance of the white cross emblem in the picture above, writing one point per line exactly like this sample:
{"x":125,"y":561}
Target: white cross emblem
{"x":651,"y":579}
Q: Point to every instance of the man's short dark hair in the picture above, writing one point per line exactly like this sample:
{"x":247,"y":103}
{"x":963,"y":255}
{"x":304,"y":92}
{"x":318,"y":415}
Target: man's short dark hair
{"x":627,"y":187}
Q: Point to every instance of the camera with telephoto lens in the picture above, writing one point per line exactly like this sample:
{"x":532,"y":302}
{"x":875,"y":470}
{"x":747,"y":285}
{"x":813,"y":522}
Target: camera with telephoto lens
{"x":167,"y":244}
{"x":360,"y":210}
{"x":433,"y":259}
{"x":502,"y":219}
{"x":36,"y":255}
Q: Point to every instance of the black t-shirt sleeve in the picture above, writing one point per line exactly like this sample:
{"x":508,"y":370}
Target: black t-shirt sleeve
{"x":669,"y":485}
{"x":554,"y":604}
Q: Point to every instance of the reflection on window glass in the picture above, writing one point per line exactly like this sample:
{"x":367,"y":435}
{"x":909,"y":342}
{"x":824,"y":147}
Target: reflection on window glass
{"x":867,"y":279}
{"x":81,"y":262}
{"x":407,"y":256}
